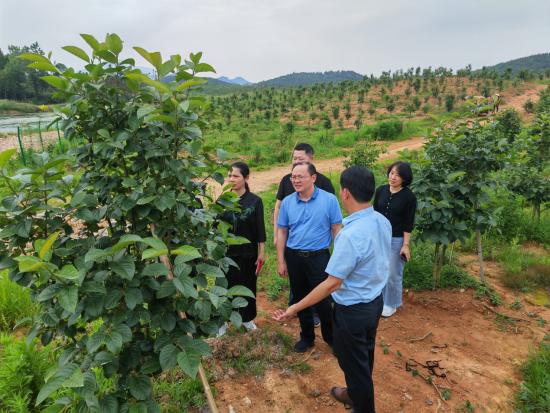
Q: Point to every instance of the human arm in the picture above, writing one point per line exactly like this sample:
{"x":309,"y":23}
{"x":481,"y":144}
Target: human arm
{"x":335,"y":230}
{"x":327,"y":287}
{"x":260,"y":231}
{"x":275,"y":218}
{"x":261,"y":255}
{"x":405,"y":248}
{"x":282,"y":236}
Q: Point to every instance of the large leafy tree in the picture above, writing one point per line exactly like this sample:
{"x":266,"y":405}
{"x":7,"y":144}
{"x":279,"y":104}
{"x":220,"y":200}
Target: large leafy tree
{"x":145,"y":255}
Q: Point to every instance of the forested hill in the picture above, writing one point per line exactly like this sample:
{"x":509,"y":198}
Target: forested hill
{"x":310,"y":78}
{"x":537,"y":63}
{"x":211,"y":80}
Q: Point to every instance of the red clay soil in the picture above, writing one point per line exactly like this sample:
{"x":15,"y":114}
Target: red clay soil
{"x":479,"y":358}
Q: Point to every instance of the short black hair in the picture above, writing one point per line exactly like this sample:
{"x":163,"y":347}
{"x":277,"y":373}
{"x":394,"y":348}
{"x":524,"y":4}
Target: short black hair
{"x":306,"y":147}
{"x":310,"y":167}
{"x":359,"y":181}
{"x":404,"y":170}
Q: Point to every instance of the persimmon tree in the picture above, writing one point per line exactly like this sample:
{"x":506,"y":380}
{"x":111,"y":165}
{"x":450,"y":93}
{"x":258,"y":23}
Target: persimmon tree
{"x":145,"y":254}
{"x":453,"y":175}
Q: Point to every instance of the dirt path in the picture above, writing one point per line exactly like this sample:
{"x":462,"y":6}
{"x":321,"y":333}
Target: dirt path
{"x":479,"y":356}
{"x":28,"y":141}
{"x":262,"y":180}
{"x":517,"y":102}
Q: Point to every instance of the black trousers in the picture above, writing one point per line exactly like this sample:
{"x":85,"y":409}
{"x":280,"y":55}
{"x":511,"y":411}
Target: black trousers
{"x":245,"y":275}
{"x":306,"y":273}
{"x":354,"y":340}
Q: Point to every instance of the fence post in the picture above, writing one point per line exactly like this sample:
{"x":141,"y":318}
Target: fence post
{"x":40,"y":135}
{"x":21,"y":147}
{"x":59,"y":136}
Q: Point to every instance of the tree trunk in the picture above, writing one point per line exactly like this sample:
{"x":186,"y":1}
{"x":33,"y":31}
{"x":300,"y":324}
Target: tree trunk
{"x":440,"y":264}
{"x":480,"y":255}
{"x":436,"y":264}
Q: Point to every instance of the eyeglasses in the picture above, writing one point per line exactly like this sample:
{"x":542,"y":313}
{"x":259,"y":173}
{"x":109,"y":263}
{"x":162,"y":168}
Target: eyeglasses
{"x":299,"y":178}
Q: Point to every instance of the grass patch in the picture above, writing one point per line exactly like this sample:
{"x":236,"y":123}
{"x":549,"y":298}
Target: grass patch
{"x":15,"y":302}
{"x":523,"y":269}
{"x":534,"y":394}
{"x":418,"y":273}
{"x":11,"y":105}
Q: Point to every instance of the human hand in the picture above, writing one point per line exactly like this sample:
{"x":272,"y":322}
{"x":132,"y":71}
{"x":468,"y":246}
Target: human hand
{"x":261,"y":258}
{"x":405,"y":251}
{"x":284,"y":316}
{"x":281,"y":270}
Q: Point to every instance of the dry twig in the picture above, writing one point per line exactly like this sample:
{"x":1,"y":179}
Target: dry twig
{"x":505,"y":315}
{"x":421,"y":338}
{"x":306,"y":359}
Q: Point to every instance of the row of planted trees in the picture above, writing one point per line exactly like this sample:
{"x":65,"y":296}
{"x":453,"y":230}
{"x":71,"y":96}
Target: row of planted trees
{"x":466,"y":164}
{"x":156,"y":259}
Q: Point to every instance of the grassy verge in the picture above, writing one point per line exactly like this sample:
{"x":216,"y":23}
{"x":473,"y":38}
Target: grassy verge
{"x":7,"y":106}
{"x":534,"y":394}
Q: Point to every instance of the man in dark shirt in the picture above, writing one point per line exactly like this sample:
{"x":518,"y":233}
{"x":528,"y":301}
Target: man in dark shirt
{"x":303,"y":152}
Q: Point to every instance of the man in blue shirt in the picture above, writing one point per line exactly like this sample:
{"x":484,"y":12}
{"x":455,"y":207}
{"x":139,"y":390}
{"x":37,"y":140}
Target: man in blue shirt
{"x":358,"y":271}
{"x":308,"y":222}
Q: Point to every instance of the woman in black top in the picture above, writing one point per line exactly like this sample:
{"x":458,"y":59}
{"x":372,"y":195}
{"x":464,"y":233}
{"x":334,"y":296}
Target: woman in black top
{"x":397,"y":203}
{"x":249,"y":223}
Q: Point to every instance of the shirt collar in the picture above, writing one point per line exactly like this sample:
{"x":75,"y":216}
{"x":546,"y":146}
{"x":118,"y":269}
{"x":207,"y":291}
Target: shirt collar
{"x":315,"y":193}
{"x":359,"y":214}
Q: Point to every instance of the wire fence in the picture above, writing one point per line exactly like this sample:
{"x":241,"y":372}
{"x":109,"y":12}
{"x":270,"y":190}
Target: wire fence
{"x":40,"y":137}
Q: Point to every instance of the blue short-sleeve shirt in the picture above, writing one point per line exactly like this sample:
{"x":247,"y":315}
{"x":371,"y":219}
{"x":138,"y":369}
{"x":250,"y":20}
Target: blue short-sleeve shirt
{"x":361,"y":257}
{"x":309,"y":223}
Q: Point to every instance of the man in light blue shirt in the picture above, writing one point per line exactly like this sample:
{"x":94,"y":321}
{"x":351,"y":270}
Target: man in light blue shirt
{"x":358,"y":271}
{"x":308,"y":221}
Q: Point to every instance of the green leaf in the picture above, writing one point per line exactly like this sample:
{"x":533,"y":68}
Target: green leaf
{"x":127,"y":240}
{"x":125,"y":267}
{"x":47,"y":244}
{"x":150,"y":366}
{"x":200,"y":346}
{"x":94,"y":44}
{"x":55,"y":82}
{"x":114,"y":342}
{"x":190,"y":361}
{"x":168,"y":321}
{"x":78,"y":52}
{"x":114,"y":43}
{"x":222,"y":154}
{"x":236,"y":319}
{"x":161,"y":87}
{"x":155,"y":243}
{"x":76,"y":379}
{"x":133,"y":297}
{"x":108,"y":404}
{"x":95,"y":341}
{"x":240,"y":291}
{"x":204,"y":67}
{"x":124,"y":331}
{"x":168,"y":356}
{"x":34,"y":57}
{"x":189,"y":83}
{"x":68,"y":272}
{"x":93,"y":287}
{"x":152,"y":253}
{"x":94,"y":254}
{"x":153,"y":270}
{"x":51,"y":385}
{"x":187,"y":253}
{"x":140,"y":387}
{"x":154,"y":58}
{"x":138,"y":408}
{"x":68,"y":298}
{"x":107,"y":56}
{"x":50,"y":291}
{"x":5,"y":156}
{"x":23,"y":228}
{"x":209,"y":270}
{"x":185,"y":286}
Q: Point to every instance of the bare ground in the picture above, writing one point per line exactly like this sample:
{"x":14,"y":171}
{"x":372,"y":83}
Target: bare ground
{"x":479,"y":356}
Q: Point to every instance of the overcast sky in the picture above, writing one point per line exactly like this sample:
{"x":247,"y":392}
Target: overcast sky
{"x":261,"y":39}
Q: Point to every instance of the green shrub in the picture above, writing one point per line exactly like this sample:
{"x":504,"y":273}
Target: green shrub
{"x":534,"y":394}
{"x":418,"y":271}
{"x":15,"y":303}
{"x":23,"y":373}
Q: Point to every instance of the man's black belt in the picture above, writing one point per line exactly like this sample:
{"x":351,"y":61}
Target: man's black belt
{"x":308,"y":254}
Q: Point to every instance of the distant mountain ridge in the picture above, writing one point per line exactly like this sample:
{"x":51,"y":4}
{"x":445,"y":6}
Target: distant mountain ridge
{"x":310,"y":78}
{"x":537,"y":63}
{"x":237,"y":81}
